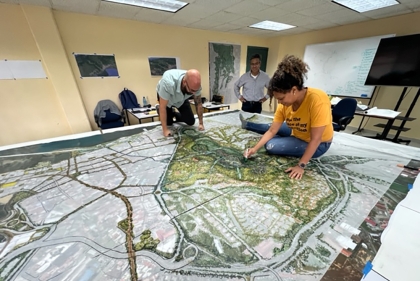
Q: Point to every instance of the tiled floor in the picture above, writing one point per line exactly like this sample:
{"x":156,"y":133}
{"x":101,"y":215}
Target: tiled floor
{"x":349,"y":130}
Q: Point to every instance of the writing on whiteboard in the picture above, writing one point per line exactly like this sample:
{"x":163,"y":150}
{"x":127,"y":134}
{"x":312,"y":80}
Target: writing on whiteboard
{"x":340,"y":68}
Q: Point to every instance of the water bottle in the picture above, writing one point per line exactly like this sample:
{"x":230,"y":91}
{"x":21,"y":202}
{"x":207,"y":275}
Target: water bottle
{"x":144,"y":102}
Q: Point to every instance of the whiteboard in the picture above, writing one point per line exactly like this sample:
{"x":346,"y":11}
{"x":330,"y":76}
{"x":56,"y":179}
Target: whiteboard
{"x":340,"y":68}
{"x":5,"y":72}
{"x":21,"y":69}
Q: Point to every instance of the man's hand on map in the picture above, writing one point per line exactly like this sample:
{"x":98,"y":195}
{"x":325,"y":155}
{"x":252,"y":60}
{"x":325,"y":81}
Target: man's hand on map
{"x":201,"y":127}
{"x":167,"y":133}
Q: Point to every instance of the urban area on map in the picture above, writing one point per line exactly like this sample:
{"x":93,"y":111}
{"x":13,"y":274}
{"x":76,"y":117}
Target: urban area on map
{"x":190,"y":207}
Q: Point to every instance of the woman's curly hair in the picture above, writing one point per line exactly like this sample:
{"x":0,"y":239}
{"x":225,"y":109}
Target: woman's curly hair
{"x":290,"y":72}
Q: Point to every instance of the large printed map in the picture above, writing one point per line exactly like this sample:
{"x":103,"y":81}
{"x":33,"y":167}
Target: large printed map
{"x":146,"y":207}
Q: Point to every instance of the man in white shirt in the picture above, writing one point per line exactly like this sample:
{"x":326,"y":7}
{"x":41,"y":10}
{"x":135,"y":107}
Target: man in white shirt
{"x":252,"y":83}
{"x":174,"y":90}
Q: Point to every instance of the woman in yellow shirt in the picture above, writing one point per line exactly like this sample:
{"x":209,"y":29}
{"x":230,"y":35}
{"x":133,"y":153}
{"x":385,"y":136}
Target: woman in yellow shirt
{"x":302,"y":124}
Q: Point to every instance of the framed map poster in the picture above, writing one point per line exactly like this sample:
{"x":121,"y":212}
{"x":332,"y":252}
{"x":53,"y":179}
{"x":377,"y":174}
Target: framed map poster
{"x":158,"y":65}
{"x":96,"y":65}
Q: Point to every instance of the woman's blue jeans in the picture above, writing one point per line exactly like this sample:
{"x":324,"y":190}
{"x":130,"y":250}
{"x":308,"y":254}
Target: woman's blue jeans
{"x":283,"y":143}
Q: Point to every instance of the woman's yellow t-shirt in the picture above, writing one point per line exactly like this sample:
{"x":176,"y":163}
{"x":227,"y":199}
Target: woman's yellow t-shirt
{"x":315,"y":111}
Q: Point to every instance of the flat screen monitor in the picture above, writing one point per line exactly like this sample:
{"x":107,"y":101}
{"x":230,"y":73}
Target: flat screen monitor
{"x":396,"y":62}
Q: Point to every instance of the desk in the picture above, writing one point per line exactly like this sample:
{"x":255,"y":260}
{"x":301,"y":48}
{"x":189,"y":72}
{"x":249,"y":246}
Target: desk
{"x":387,"y":114}
{"x":386,"y":127}
{"x":143,"y":114}
{"x":212,"y":107}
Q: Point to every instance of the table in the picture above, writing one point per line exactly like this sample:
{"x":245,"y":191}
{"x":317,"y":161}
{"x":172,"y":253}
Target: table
{"x":142,"y":113}
{"x":210,"y":106}
{"x":390,"y":116}
{"x":387,"y":114}
{"x":387,"y":127}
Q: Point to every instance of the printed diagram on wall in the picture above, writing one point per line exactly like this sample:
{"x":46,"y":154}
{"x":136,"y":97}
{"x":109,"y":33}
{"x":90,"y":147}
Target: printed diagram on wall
{"x":158,"y":65}
{"x":189,"y":208}
{"x":95,"y":65}
{"x":224,"y":66}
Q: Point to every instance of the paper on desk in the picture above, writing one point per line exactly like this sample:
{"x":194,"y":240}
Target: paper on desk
{"x":335,"y":100}
{"x":373,"y":276}
{"x":362,"y":106}
{"x":382,"y":112}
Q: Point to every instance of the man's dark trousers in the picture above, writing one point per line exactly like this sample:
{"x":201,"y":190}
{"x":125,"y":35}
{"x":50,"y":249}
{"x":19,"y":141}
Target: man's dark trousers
{"x":185,"y":114}
{"x":252,"y":106}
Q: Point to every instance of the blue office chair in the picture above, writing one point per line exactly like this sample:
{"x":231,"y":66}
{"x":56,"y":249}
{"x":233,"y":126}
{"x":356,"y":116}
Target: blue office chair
{"x":343,"y":113}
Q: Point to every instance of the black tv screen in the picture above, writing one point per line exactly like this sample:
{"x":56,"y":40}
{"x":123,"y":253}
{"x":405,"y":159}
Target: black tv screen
{"x":396,"y":62}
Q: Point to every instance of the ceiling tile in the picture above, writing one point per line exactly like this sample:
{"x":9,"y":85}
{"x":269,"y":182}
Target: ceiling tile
{"x":297,"y":5}
{"x":270,"y":35}
{"x":207,"y":23}
{"x":296,"y":19}
{"x":245,"y":21}
{"x":235,"y":16}
{"x":272,"y":2}
{"x":247,"y":7}
{"x":9,"y":1}
{"x":252,"y":31}
{"x":198,"y":11}
{"x":295,"y":30}
{"x":320,"y":9}
{"x":344,"y":16}
{"x":387,"y":12}
{"x":77,"y":6}
{"x":180,"y":20}
{"x":152,"y":15}
{"x":259,"y":31}
{"x":305,"y":21}
{"x":411,"y":4}
{"x":227,"y":27}
{"x":220,"y":4}
{"x":319,"y":25}
{"x":45,"y":3}
{"x":243,"y":31}
{"x":224,"y":17}
{"x":116,"y":10}
{"x":272,"y":14}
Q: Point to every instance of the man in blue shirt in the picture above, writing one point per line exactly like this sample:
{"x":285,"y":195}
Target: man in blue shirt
{"x":252,"y":83}
{"x":174,"y":90}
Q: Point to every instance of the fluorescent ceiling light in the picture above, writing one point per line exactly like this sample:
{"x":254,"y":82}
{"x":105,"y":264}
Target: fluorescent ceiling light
{"x":272,"y":25}
{"x":362,"y":6}
{"x":163,"y":5}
